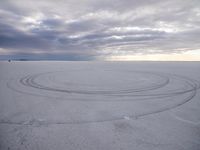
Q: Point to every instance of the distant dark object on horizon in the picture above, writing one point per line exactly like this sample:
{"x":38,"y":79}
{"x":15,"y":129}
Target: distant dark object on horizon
{"x":23,"y":59}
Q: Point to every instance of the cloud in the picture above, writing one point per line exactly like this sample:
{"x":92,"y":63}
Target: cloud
{"x":90,"y":29}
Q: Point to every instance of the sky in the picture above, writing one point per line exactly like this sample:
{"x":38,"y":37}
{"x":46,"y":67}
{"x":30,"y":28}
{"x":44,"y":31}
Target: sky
{"x":100,"y":30}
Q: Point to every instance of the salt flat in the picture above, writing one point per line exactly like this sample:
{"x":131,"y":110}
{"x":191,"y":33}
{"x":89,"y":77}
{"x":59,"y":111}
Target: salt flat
{"x":99,"y":105}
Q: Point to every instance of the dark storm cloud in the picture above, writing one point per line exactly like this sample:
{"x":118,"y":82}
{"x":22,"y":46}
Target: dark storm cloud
{"x":13,"y":38}
{"x":90,"y":29}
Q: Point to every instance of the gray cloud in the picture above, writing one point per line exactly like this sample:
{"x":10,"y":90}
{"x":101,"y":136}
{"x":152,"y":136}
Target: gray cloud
{"x":90,"y":29}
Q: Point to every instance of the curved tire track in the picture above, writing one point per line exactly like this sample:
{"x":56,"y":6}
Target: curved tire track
{"x":190,"y":88}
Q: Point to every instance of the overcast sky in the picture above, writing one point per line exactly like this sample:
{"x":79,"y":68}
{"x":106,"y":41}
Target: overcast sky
{"x":97,"y":29}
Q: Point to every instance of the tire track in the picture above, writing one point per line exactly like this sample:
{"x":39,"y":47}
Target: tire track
{"x":30,"y":82}
{"x":190,"y":87}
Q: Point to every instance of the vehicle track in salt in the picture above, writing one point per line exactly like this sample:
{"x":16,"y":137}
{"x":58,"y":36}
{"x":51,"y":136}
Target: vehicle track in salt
{"x":148,"y":93}
{"x":29,"y":81}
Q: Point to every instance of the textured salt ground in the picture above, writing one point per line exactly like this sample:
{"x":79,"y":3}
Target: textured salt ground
{"x":101,"y":105}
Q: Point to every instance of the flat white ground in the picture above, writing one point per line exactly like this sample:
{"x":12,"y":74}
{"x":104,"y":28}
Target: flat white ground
{"x":100,"y":105}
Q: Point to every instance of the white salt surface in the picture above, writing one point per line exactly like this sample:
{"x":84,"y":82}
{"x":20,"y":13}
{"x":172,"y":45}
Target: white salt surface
{"x":99,"y":105}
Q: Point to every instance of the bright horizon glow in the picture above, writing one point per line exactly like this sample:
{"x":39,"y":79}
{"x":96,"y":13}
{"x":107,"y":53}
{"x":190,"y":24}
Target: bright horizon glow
{"x":188,"y":56}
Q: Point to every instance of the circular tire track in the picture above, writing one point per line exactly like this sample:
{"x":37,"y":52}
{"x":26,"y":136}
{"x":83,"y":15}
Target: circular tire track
{"x":30,"y":82}
{"x":158,"y":91}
